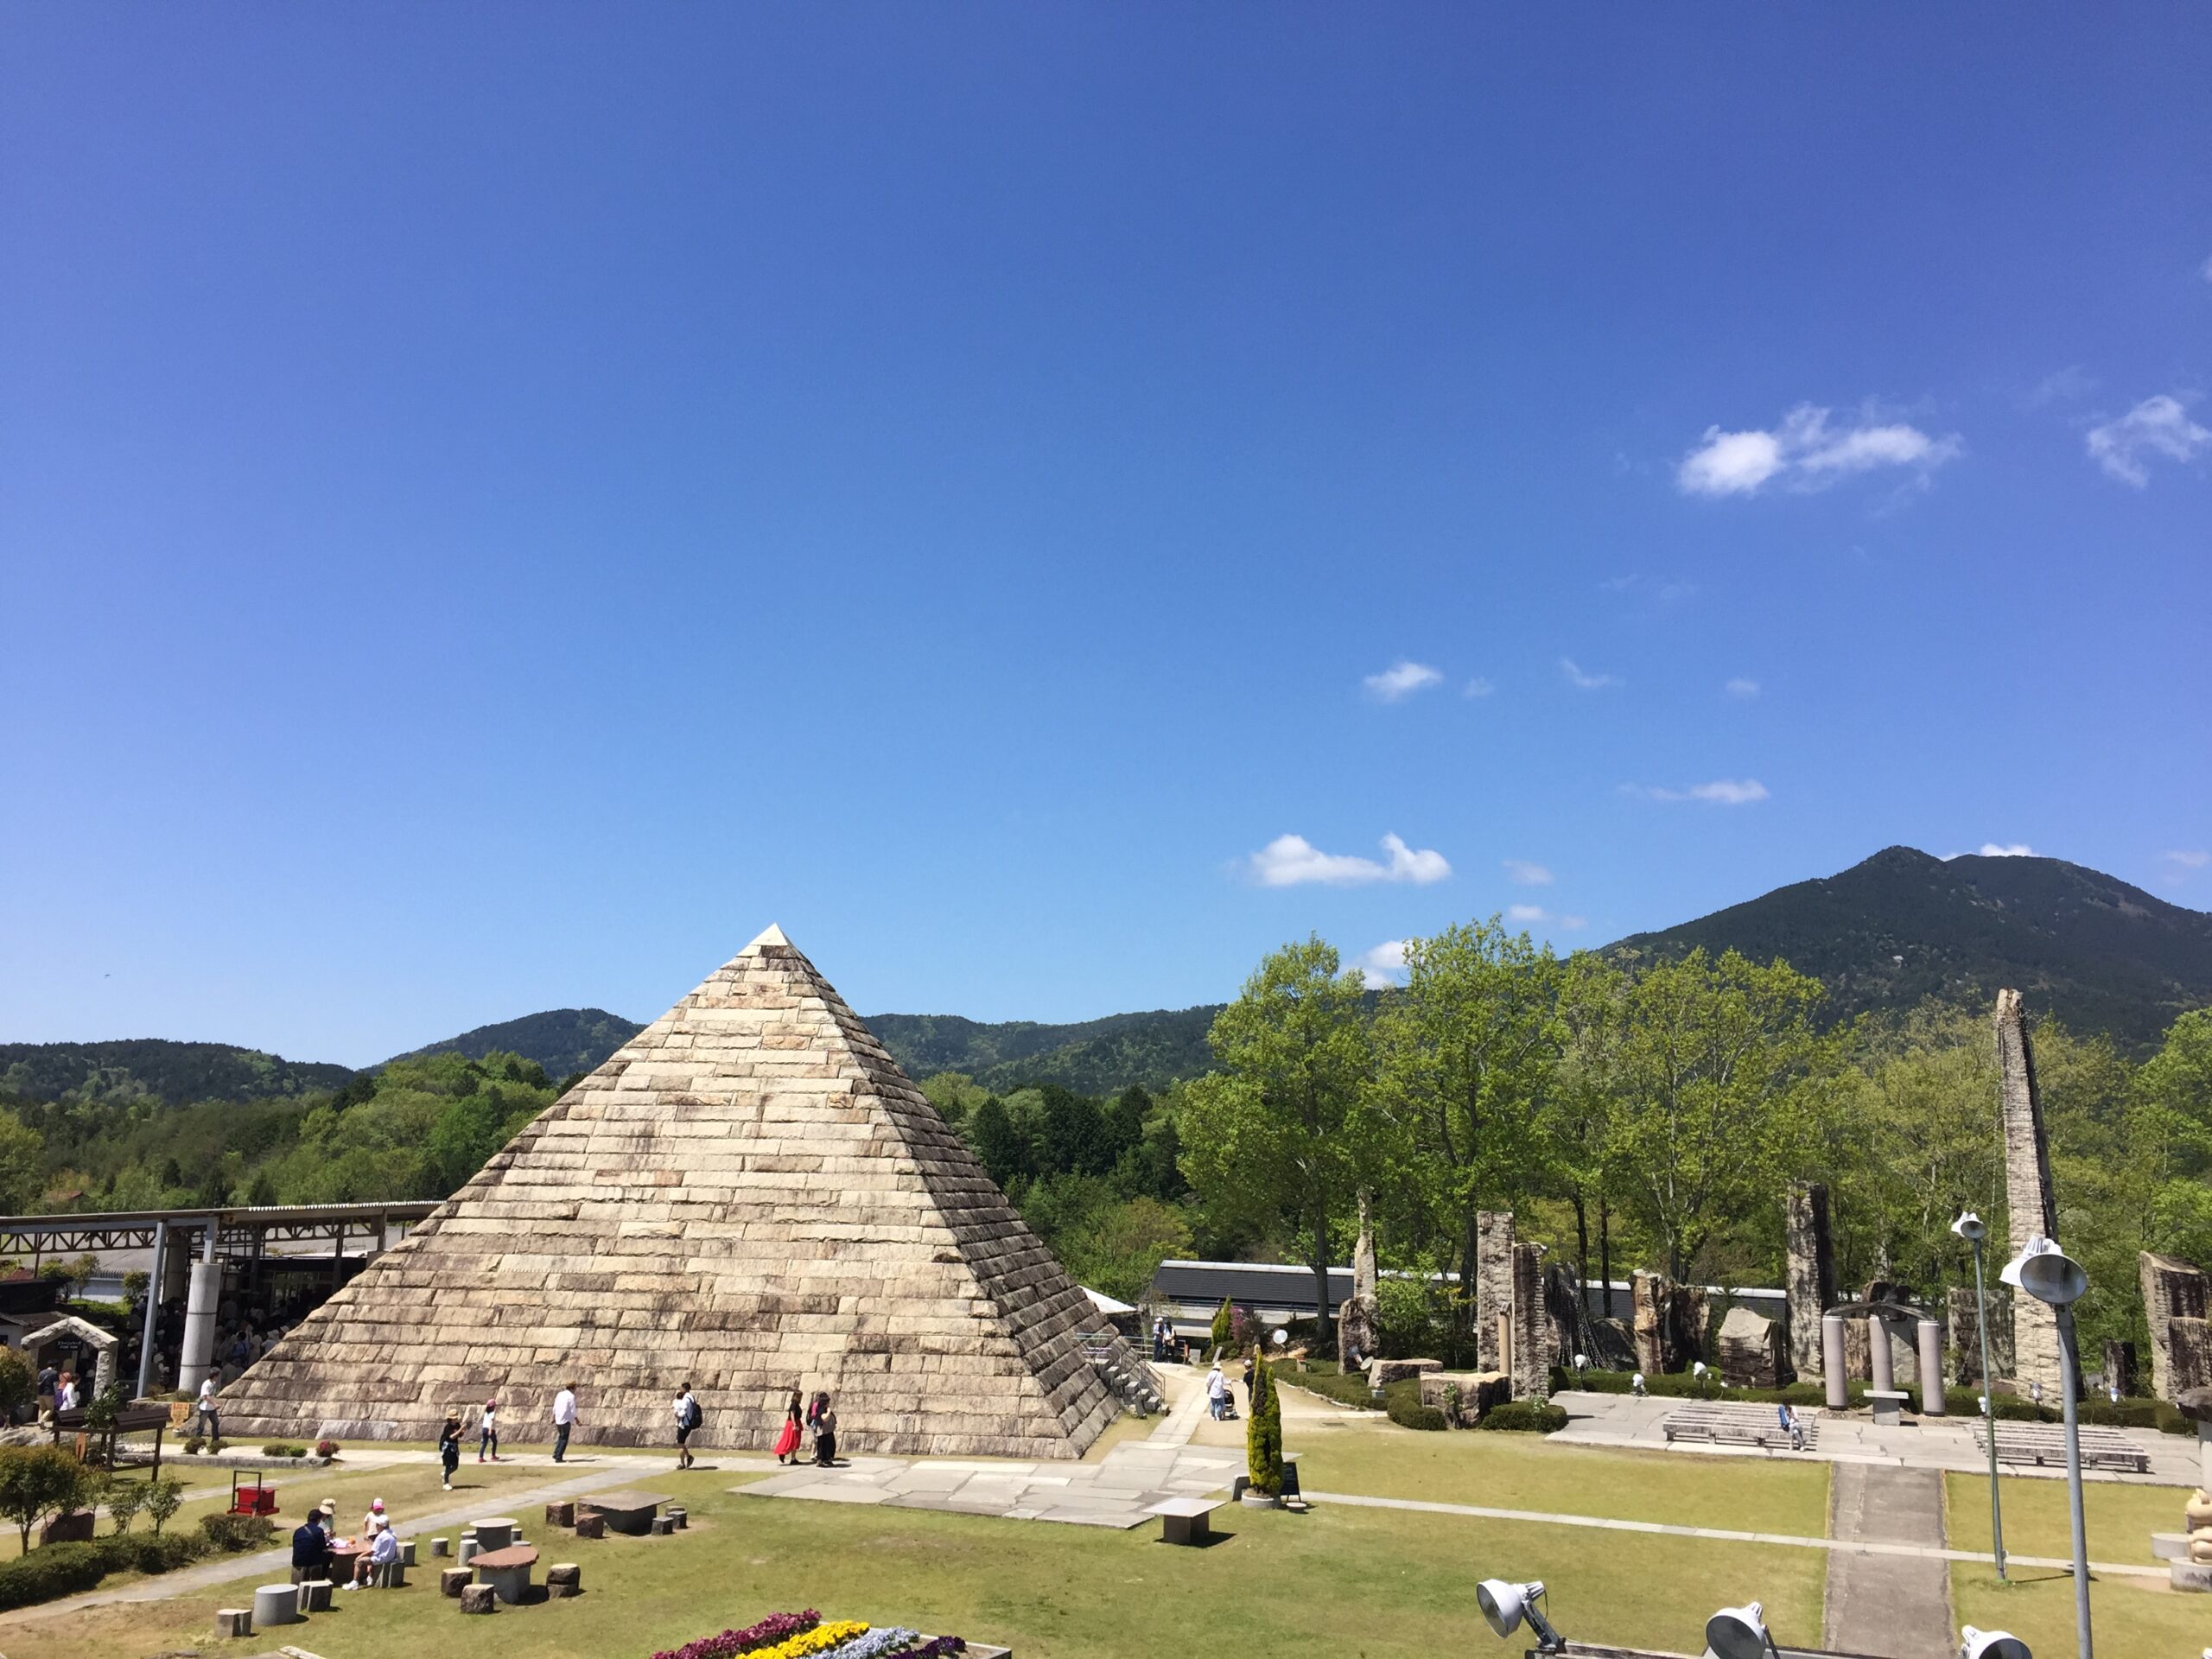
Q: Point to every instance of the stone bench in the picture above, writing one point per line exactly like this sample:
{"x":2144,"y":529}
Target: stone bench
{"x":1384,"y":1372}
{"x":1888,"y":1405}
{"x":276,"y":1604}
{"x":451,"y":1581}
{"x":233,"y":1622}
{"x":2044,"y":1445}
{"x":564,"y":1579}
{"x":1717,"y":1424}
{"x":479,"y":1599}
{"x":1185,"y":1520}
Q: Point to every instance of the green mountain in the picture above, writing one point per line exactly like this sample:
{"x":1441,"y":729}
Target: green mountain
{"x":562,"y":1040}
{"x":177,"y":1073}
{"x":1094,"y":1057}
{"x":1901,"y":926}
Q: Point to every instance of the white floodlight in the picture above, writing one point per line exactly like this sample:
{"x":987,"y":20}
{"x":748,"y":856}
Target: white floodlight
{"x":1697,"y":1368}
{"x":1281,"y":1337}
{"x":1970,"y":1227}
{"x":2046,"y":1273}
{"x":1580,"y":1360}
{"x":1740,"y":1633}
{"x":1506,"y":1605}
{"x":1992,"y":1645}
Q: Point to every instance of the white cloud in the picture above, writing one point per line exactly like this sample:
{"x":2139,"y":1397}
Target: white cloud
{"x":2157,"y":426}
{"x":2063,"y":386}
{"x":1741,"y":687}
{"x":1479,"y":687}
{"x":1293,"y":860}
{"x":2205,"y":270}
{"x":1526,"y":915}
{"x":1402,"y":679}
{"x":1582,"y":682}
{"x":1722,"y":792}
{"x":2017,"y":850}
{"x":1526,"y":874}
{"x":1382,"y":966}
{"x":2189,"y":861}
{"x":1808,"y":453}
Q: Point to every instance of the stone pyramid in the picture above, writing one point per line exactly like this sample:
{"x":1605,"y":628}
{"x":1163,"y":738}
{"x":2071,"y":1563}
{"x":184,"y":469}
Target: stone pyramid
{"x":749,"y":1197}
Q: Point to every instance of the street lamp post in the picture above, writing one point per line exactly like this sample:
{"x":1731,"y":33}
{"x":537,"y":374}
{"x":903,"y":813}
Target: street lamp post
{"x":2049,"y":1275}
{"x":1973,"y":1230}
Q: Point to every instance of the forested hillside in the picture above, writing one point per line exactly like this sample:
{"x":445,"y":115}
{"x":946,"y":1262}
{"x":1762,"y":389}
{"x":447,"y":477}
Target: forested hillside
{"x":150,"y":1067}
{"x":562,"y":1040}
{"x":1902,"y":927}
{"x":1097,"y":1056}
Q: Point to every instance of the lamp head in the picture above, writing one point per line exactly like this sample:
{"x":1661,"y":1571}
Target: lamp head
{"x":1991,"y":1644}
{"x":1580,"y":1360}
{"x":1739,"y":1633}
{"x":1970,"y":1227}
{"x":1505,"y":1604}
{"x":2046,"y":1273}
{"x":1697,"y":1368}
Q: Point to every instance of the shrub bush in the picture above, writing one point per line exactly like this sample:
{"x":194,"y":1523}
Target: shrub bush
{"x":234,"y":1533}
{"x":1409,"y":1413}
{"x":2170,"y":1421}
{"x":284,"y":1449}
{"x":1332,"y":1384}
{"x":1263,"y":1434}
{"x":326,"y":1448}
{"x":56,"y":1570}
{"x":1525,"y":1417}
{"x":143,"y":1552}
{"x":192,"y":1446}
{"x":2126,"y":1413}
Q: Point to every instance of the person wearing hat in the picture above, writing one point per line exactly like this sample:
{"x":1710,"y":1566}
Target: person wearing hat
{"x":449,"y":1446}
{"x":374,"y":1522}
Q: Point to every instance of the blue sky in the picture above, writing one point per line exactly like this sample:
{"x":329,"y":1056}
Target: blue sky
{"x":499,"y":503}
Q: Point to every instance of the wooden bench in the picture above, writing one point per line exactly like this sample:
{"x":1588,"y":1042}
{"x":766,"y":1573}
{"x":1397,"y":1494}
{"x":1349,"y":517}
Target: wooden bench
{"x":1185,"y":1520}
{"x":624,"y":1511}
{"x":2044,"y":1445}
{"x":1718,"y":1423}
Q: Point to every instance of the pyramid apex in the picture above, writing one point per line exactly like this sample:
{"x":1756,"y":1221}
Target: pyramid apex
{"x":770,"y":935}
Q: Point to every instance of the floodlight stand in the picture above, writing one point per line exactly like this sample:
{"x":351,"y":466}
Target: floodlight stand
{"x":2068,"y":1369}
{"x":1989,"y":1414}
{"x":1547,"y":1639}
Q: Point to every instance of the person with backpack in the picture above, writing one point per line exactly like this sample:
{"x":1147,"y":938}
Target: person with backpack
{"x":449,"y":1447}
{"x":825,"y":1431}
{"x":687,"y":1417}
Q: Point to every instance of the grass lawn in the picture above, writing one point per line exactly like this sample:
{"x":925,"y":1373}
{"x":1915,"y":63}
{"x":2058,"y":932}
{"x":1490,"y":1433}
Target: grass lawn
{"x":2121,"y":1519}
{"x":1525,"y":1472}
{"x":2134,"y":1617}
{"x":1342,"y":1582}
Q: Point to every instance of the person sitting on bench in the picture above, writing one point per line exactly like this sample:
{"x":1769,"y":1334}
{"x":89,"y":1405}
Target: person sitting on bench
{"x":382,"y":1555}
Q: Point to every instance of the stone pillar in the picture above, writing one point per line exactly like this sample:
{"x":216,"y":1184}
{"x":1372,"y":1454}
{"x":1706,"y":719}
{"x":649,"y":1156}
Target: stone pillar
{"x":2189,"y":1349}
{"x":1531,"y":1342}
{"x":2031,"y":1206}
{"x":1832,"y":1361}
{"x":198,"y":1358}
{"x":1931,"y":1368}
{"x":1493,"y":1287}
{"x":1808,"y":1271}
{"x":1878,"y":1350}
{"x":1356,"y":1316}
{"x":1647,"y":1300}
{"x":2172,"y":1289}
{"x":1857,"y":1350}
{"x":2119,"y":1368}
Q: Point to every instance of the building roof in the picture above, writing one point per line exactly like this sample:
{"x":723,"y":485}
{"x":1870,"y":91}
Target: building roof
{"x":748,"y":1195}
{"x":1255,"y":1284}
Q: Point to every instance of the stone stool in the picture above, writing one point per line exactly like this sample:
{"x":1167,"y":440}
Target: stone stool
{"x":440,"y":1545}
{"x":452,"y":1579}
{"x":563,"y":1514}
{"x":591,"y":1526}
{"x":681,"y":1516}
{"x":564,"y":1579}
{"x":468,"y":1547}
{"x":314,"y":1596}
{"x":664,"y":1525}
{"x":406,"y":1552}
{"x":276,"y":1604}
{"x":479,"y":1599}
{"x":233,"y":1621}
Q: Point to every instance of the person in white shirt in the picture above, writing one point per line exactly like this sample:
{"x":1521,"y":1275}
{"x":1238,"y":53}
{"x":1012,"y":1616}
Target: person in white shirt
{"x":382,"y":1552}
{"x":487,"y":1432}
{"x":1216,"y":1390}
{"x":375,"y":1521}
{"x":564,"y":1419}
{"x":211,"y":1428}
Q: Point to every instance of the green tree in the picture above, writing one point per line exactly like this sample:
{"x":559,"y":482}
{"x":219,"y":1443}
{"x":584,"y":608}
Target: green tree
{"x":2171,"y":1120}
{"x":1465,"y":1058}
{"x":1224,"y":1323}
{"x":1275,"y":1137}
{"x":1726,"y":1088}
{"x":164,"y":1497}
{"x":1263,"y":1433}
{"x":22,"y":1164}
{"x":36,"y":1481}
{"x":124,"y":1499}
{"x":1006,"y":1152}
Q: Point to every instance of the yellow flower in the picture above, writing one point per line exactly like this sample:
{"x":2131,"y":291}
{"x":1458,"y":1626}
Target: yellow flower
{"x":820,"y":1639}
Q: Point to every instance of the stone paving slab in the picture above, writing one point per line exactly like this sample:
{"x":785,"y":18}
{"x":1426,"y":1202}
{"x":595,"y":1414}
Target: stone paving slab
{"x":1116,"y":1492}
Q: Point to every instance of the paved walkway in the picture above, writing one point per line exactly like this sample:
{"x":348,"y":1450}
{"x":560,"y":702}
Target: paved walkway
{"x":1622,"y":1419}
{"x":1882,"y":1605}
{"x":275,"y":1565}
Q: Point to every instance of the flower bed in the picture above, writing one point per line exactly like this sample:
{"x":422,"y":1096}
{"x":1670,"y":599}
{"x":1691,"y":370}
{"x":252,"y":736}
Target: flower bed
{"x":804,"y":1636}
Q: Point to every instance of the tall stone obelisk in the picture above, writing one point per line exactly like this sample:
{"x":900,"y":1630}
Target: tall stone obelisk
{"x":2031,"y":1206}
{"x":1808,"y":1271}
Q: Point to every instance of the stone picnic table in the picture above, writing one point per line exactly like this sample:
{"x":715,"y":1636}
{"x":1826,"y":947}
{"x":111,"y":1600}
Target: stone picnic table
{"x":624,"y":1511}
{"x":507,"y":1571}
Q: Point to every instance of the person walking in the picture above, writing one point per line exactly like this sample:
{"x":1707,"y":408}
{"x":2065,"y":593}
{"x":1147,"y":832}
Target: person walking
{"x":487,"y":1432}
{"x":687,"y":1414}
{"x":1216,"y":1390}
{"x":788,"y":1438}
{"x":449,"y":1447}
{"x":564,"y":1419}
{"x":825,"y":1431}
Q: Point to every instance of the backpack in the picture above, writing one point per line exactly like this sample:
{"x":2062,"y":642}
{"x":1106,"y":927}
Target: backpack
{"x":692,"y":1415}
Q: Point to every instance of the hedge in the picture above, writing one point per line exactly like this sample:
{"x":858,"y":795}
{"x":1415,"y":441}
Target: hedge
{"x":1525,"y":1417}
{"x":50,"y":1570}
{"x":54,"y":1570}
